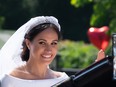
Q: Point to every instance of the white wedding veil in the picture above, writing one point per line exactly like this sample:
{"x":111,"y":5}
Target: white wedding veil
{"x":10,"y":52}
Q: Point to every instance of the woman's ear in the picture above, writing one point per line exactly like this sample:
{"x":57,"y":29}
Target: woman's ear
{"x":27,"y":43}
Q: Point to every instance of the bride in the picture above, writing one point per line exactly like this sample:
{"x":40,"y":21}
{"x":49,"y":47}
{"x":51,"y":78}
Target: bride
{"x":26,"y":56}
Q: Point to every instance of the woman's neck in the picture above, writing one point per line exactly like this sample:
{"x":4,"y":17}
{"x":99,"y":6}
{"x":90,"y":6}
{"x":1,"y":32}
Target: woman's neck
{"x":37,"y":70}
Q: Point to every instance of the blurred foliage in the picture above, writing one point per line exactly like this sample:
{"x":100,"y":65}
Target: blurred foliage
{"x":2,"y":20}
{"x":104,"y":12}
{"x":31,"y":5}
{"x":1,"y":43}
{"x":17,"y":12}
{"x":79,"y":3}
{"x":76,"y":54}
{"x":4,"y":36}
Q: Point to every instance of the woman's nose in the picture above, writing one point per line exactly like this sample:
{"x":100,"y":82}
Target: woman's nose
{"x":48,"y":48}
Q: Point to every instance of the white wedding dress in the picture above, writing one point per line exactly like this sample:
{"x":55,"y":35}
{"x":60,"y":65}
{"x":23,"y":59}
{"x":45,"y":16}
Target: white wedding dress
{"x":10,"y":81}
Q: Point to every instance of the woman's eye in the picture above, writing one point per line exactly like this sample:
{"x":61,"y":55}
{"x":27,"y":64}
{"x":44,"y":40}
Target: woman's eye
{"x":54,"y":43}
{"x":42,"y":43}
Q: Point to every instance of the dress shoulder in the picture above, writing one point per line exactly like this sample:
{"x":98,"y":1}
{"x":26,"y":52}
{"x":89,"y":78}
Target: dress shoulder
{"x":10,"y":81}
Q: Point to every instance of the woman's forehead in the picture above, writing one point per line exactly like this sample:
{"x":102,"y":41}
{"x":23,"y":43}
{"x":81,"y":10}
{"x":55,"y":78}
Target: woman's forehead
{"x":48,"y":33}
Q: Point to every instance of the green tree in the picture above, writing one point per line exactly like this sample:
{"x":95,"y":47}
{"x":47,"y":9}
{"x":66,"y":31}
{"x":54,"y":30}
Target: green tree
{"x":104,"y":12}
{"x":16,"y":12}
{"x":2,"y":19}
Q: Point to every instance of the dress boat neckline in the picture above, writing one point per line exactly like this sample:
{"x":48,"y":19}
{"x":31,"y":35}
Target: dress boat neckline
{"x":16,"y":78}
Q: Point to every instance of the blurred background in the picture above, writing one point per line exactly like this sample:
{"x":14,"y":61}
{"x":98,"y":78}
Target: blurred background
{"x":77,"y":50}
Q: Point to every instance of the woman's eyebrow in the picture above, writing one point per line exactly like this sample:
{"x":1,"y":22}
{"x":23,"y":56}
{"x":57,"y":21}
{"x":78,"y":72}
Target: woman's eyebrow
{"x":55,"y":40}
{"x":46,"y":40}
{"x":41,"y":40}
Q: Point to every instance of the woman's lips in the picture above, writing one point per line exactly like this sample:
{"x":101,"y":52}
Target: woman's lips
{"x":47,"y":56}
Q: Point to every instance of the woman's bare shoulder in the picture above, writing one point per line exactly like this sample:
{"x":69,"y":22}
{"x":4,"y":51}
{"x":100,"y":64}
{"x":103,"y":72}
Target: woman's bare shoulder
{"x":58,"y":74}
{"x":18,"y":72}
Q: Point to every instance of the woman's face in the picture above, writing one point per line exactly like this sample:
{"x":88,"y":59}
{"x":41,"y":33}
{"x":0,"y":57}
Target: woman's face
{"x":44,"y":46}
